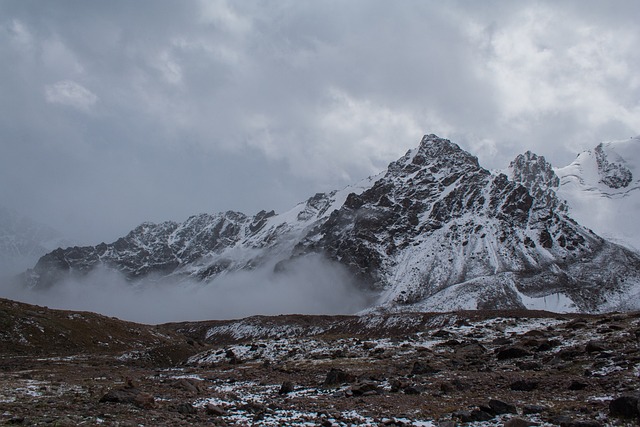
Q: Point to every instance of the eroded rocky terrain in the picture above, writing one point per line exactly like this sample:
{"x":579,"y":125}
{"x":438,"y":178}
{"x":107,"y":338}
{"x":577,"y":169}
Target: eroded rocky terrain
{"x":481,"y":368}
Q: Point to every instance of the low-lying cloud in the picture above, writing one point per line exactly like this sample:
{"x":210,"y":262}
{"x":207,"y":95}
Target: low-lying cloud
{"x":308,"y":285}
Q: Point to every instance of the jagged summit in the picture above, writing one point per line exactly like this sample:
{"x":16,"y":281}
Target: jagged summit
{"x":435,"y":231}
{"x":538,"y":176}
{"x":434,"y":156}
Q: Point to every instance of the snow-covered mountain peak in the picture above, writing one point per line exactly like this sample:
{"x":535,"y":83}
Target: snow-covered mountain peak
{"x":435,"y":231}
{"x":602,"y":188}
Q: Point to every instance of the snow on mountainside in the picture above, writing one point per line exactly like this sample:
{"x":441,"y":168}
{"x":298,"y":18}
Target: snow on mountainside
{"x":602,"y":188}
{"x":203,"y":247}
{"x":438,"y":232}
{"x":23,"y":241}
{"x":435,"y":231}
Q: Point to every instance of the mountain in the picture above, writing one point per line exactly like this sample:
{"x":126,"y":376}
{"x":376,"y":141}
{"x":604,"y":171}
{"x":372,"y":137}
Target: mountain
{"x":602,"y":189}
{"x":434,"y":232}
{"x":23,"y":241}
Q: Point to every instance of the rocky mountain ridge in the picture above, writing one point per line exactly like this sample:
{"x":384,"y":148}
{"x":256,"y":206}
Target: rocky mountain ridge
{"x":435,"y":231}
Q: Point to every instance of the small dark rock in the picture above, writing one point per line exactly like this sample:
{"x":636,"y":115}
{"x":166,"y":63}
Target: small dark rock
{"x":338,"y":376}
{"x":580,"y":423}
{"x":519,"y":422}
{"x":499,"y":407}
{"x":523,"y":385}
{"x":529,"y":365}
{"x":420,"y":368}
{"x":214,"y":410}
{"x":472,"y":416}
{"x":505,"y":353}
{"x":286,"y":387}
{"x":594,"y":346}
{"x":187,"y":385}
{"x":625,"y":407}
{"x":533,"y":409}
{"x":363,"y":389}
{"x":185,"y":408}
{"x":578,"y":385}
{"x":412,"y":390}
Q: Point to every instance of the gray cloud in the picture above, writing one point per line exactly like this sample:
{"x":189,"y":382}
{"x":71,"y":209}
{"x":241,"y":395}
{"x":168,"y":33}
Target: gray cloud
{"x":118,"y":112}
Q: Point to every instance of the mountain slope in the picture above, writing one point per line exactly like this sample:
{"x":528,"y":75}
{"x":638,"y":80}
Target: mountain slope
{"x":435,"y":231}
{"x":602,"y":189}
{"x":201,"y":248}
{"x":439,"y":232}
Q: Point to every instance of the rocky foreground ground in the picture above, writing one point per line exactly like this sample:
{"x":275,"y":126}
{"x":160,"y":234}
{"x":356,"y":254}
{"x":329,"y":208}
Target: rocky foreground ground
{"x":491,"y":368}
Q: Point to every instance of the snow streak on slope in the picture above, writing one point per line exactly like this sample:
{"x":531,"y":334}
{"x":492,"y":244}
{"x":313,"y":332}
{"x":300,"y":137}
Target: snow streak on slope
{"x":602,"y":188}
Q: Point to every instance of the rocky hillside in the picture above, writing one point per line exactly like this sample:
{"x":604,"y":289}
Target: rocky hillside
{"x":481,"y":368}
{"x":435,"y":231}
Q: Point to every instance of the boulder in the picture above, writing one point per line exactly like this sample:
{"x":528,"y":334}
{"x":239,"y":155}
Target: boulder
{"x":338,"y":376}
{"x":625,"y":406}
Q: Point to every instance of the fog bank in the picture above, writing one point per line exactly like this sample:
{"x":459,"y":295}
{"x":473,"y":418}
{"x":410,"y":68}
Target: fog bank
{"x":308,"y":285}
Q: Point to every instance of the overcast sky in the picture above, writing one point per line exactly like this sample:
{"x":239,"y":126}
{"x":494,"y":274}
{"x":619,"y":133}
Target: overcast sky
{"x":117,"y":112}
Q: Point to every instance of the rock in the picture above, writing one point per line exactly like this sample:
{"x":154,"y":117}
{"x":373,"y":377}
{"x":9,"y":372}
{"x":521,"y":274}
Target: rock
{"x":594,"y":346}
{"x":214,"y":410}
{"x":413,"y":390}
{"x":362,"y":389}
{"x":529,"y":365}
{"x":625,"y":407}
{"x":505,"y":353}
{"x":420,"y":368}
{"x":338,"y":376}
{"x":523,"y":385}
{"x":499,"y":407}
{"x":580,"y":423}
{"x":577,"y":385}
{"x":533,"y":409}
{"x":472,"y":416}
{"x":185,"y":408}
{"x":286,"y":387}
{"x":187,"y":385}
{"x":144,"y":401}
{"x":519,"y":422}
